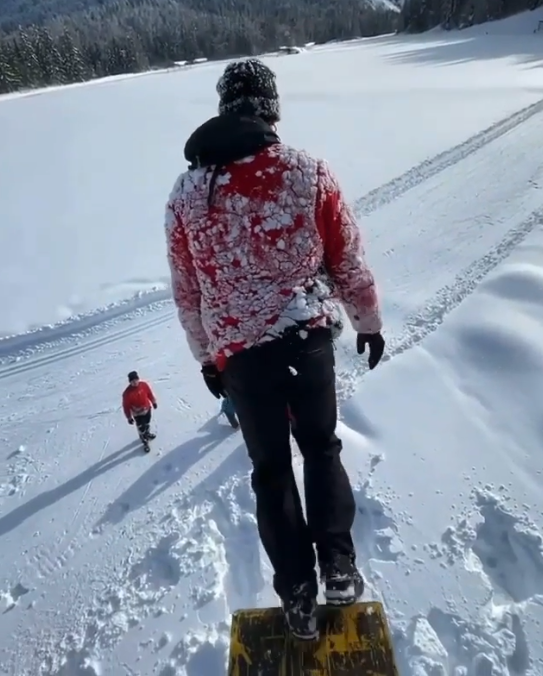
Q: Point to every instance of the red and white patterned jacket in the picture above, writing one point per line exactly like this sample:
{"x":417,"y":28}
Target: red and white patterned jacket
{"x":277,"y":245}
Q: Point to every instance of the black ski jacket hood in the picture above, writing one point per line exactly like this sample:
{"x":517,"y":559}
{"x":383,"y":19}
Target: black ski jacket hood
{"x":227,"y":138}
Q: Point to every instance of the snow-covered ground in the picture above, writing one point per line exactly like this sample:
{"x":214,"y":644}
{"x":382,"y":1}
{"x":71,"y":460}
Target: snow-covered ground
{"x":114,"y":563}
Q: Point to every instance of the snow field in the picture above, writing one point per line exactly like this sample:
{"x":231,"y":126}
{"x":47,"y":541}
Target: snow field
{"x":473,"y":489}
{"x":123,"y":564}
{"x":97,"y":158}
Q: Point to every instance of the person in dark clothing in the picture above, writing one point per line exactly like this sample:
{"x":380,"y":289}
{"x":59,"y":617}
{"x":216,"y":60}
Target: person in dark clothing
{"x":229,"y":411}
{"x":262,"y":249}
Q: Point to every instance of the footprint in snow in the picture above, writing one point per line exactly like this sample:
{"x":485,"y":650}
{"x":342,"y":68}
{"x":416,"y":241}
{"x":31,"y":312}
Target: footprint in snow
{"x":11,"y":596}
{"x":233,"y":512}
{"x":197,"y":654}
{"x":510,"y":549}
{"x":508,"y":546}
{"x":444,"y":644}
{"x":159,"y":569}
{"x":375,"y":532}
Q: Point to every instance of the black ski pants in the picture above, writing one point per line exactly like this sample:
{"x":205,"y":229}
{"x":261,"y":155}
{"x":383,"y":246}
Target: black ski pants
{"x":143,"y":423}
{"x":296,"y":370}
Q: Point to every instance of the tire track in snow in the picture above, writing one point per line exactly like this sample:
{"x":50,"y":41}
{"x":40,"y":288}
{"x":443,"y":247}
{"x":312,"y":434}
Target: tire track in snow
{"x":424,"y":322}
{"x":391,"y":191}
{"x":80,"y":325}
{"x":365,"y":205}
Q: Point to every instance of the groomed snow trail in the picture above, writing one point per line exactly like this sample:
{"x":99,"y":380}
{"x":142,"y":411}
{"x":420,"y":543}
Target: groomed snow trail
{"x":125,"y":564}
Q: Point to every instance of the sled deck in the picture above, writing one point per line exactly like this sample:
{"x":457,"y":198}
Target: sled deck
{"x":354,"y":641}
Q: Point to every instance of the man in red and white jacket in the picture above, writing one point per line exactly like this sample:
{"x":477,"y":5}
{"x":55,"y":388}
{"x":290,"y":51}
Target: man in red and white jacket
{"x":263,"y":248}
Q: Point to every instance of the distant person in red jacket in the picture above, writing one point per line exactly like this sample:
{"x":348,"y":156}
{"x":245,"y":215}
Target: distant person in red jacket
{"x":138,"y":402}
{"x":263,"y":248}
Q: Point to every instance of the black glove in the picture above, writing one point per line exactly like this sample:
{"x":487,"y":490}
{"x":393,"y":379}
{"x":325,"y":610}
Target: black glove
{"x":130,"y":421}
{"x":376,"y":343}
{"x":155,"y":406}
{"x":213,"y":380}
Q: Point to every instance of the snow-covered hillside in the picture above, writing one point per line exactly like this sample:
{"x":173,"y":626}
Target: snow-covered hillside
{"x":115,"y":563}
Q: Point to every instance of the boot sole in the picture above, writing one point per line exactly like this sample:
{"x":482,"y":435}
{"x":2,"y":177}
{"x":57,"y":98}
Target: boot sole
{"x":304,"y":637}
{"x":341,"y":603}
{"x":342,"y":598}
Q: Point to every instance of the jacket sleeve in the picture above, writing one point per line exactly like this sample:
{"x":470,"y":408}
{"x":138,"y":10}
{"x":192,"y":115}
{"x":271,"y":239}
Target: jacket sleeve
{"x":126,"y":405}
{"x":344,"y":256}
{"x":185,"y":287}
{"x":150,"y":393}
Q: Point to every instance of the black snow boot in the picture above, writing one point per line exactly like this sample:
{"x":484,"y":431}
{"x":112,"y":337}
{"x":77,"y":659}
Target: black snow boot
{"x":343,"y":582}
{"x":300,"y":609}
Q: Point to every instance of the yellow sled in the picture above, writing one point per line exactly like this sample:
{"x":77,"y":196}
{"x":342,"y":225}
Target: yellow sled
{"x":354,"y":641}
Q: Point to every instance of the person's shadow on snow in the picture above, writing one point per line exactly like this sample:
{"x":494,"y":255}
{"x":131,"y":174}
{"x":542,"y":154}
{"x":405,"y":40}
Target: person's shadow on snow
{"x":16,"y":517}
{"x":165,"y":472}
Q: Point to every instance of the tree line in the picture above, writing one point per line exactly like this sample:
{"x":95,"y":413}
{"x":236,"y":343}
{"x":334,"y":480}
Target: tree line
{"x":129,"y":36}
{"x":422,"y":15}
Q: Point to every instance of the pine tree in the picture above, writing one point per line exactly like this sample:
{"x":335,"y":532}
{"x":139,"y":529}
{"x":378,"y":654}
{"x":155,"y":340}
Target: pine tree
{"x":27,"y":58}
{"x":72,"y":65}
{"x":48,"y":57}
{"x":121,"y":36}
{"x":9,"y":78}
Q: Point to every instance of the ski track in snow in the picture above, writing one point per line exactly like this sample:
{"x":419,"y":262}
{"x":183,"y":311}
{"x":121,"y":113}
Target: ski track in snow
{"x":421,"y":324}
{"x":210,"y":537}
{"x":137,"y":321}
{"x":397,"y":187}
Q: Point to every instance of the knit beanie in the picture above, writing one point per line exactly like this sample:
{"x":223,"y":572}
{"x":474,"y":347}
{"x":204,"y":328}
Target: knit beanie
{"x":248,"y":88}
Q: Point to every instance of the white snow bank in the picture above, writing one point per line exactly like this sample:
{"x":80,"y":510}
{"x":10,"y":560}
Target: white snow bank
{"x":458,"y":422}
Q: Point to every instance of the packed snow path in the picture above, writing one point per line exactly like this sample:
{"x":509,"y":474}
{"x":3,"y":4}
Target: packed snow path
{"x":115,"y":562}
